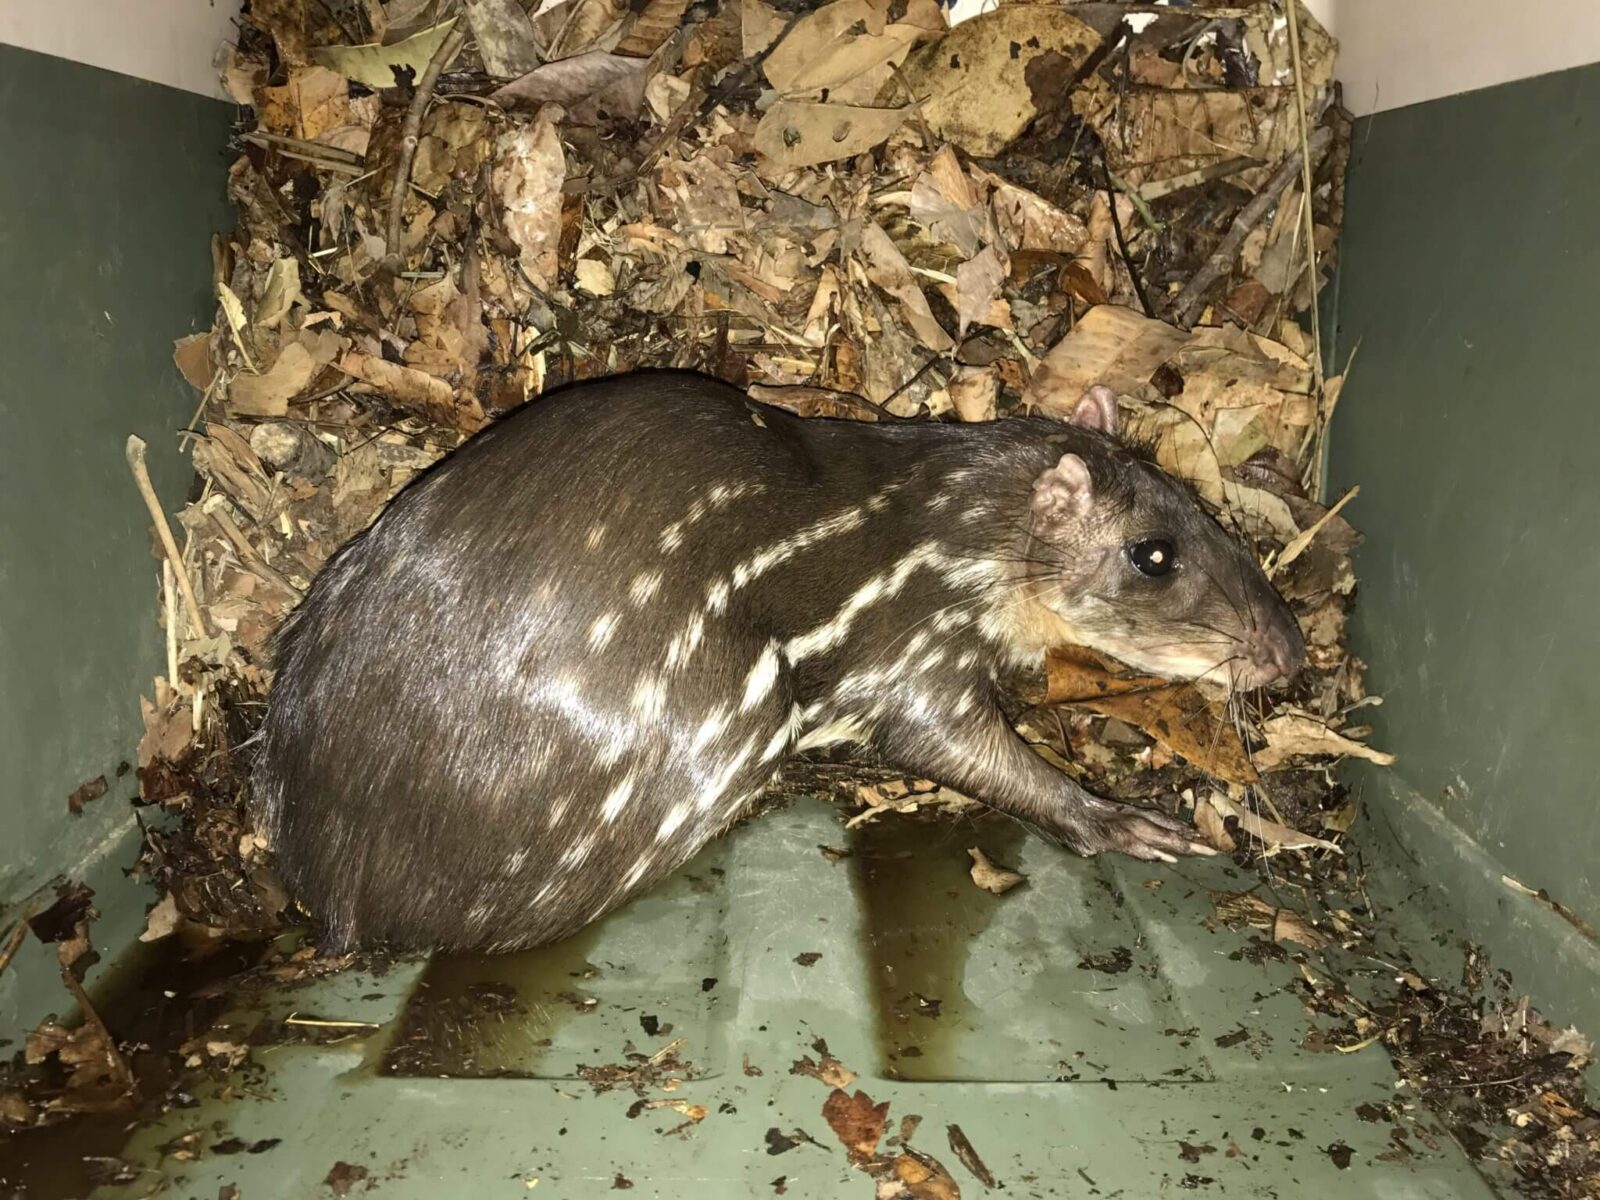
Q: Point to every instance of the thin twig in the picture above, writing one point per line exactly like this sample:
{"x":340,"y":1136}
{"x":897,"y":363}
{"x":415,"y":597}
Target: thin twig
{"x":1122,"y":241}
{"x":141,"y":477}
{"x":411,"y":133}
{"x":1186,"y":307}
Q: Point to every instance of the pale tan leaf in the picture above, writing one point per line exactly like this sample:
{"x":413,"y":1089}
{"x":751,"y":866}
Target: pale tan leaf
{"x":1111,"y":345}
{"x":990,"y":877}
{"x":375,"y":65}
{"x":974,"y":81}
{"x":794,"y":133}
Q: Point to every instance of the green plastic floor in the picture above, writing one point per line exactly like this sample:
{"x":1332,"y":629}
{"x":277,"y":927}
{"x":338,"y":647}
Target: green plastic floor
{"x":959,"y":1007}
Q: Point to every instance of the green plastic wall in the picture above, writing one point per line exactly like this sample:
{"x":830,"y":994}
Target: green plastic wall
{"x":1467,"y":289}
{"x":106,"y":186}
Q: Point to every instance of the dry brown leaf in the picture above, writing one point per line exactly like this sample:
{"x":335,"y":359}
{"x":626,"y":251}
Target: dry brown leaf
{"x":167,"y":730}
{"x":1177,"y":715}
{"x":586,"y":86}
{"x":1212,"y":829}
{"x":973,"y":393}
{"x":529,"y":170}
{"x":375,"y":65}
{"x":162,"y":921}
{"x":976,"y":82}
{"x":587,"y":24}
{"x":298,"y":363}
{"x":794,"y":133}
{"x":192,"y":356}
{"x":649,"y":29}
{"x":978,"y":282}
{"x":1027,"y":221}
{"x":890,"y":271}
{"x":829,"y":1071}
{"x":504,"y":36}
{"x":1290,"y":734}
{"x":312,"y":101}
{"x":835,"y":49}
{"x":916,"y":1176}
{"x":411,"y":388}
{"x":943,"y":202}
{"x":991,"y":878}
{"x":856,"y":1121}
{"x":1271,"y":835}
{"x":1111,"y":345}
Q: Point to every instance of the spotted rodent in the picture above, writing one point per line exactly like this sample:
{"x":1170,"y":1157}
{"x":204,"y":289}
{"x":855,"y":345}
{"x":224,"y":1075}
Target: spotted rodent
{"x":573,"y":652}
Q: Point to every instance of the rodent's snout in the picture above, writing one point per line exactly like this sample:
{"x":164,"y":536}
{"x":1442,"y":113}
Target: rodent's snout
{"x":1271,"y":652}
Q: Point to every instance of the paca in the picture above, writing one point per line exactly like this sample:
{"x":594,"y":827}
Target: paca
{"x":574,"y":651}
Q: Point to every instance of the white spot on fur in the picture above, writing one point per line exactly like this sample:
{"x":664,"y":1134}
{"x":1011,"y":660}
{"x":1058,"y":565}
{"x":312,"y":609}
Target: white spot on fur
{"x":596,"y":535}
{"x":717,"y":597}
{"x":672,"y":537}
{"x":710,"y":729}
{"x":517,"y":860}
{"x":645,"y":586}
{"x":964,"y":703}
{"x":724,"y":776}
{"x":968,"y":660}
{"x":940,"y":500}
{"x":851,"y":727}
{"x":783,"y":735}
{"x":682,"y":647}
{"x":558,"y":809}
{"x":577,"y":852}
{"x":636,"y":873}
{"x":762,"y":679}
{"x":930,"y":661}
{"x":649,"y":698}
{"x":618,"y":799}
{"x":670,"y":824}
{"x":600,"y":633}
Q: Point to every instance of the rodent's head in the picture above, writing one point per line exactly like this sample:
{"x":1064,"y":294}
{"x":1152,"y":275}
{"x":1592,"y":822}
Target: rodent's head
{"x":1134,"y":567}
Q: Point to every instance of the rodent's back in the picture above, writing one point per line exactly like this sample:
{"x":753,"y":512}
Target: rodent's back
{"x":480,"y":658}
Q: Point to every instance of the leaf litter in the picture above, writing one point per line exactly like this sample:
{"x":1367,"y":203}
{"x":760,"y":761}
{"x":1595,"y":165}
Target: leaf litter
{"x":445,"y":210}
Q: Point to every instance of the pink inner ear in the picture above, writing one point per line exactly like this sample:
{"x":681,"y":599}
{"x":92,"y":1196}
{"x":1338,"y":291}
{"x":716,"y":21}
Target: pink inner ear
{"x":1064,"y":492}
{"x":1097,"y":409}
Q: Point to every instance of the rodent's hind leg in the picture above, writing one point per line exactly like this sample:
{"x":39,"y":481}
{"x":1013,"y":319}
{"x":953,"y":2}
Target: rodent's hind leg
{"x":982,"y":757}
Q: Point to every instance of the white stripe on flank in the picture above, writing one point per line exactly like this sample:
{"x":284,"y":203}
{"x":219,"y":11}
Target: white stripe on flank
{"x":825,"y":637}
{"x":762,"y":679}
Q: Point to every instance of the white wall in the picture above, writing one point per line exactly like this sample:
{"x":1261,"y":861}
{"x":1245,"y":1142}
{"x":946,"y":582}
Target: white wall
{"x":168,"y":41}
{"x":1398,"y":52}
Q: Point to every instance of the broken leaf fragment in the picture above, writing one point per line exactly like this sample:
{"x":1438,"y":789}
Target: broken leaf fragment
{"x":992,"y":878}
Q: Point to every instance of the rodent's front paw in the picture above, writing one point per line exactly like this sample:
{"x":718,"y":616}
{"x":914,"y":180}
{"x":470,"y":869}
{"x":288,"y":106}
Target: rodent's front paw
{"x":1143,"y":833}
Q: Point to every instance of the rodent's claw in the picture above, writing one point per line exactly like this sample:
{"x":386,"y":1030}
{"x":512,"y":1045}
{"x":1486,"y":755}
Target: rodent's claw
{"x":1141,"y":833}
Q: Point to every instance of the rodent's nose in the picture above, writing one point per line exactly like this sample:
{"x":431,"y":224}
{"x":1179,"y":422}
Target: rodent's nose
{"x":1275,"y":653}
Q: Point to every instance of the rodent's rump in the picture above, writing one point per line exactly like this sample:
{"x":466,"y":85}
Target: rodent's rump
{"x":574,"y":651}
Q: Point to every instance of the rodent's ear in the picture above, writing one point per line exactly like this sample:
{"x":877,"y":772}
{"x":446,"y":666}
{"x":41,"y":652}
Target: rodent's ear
{"x":1063,"y":493}
{"x":1097,"y":410}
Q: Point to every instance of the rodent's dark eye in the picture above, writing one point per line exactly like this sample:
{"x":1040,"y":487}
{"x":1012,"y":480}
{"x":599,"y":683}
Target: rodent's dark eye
{"x":1153,"y":556}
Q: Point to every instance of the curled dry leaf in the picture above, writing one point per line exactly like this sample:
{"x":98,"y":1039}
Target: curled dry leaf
{"x":990,"y":877}
{"x":1178,"y":715}
{"x":1292,"y":733}
{"x":1271,"y":835}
